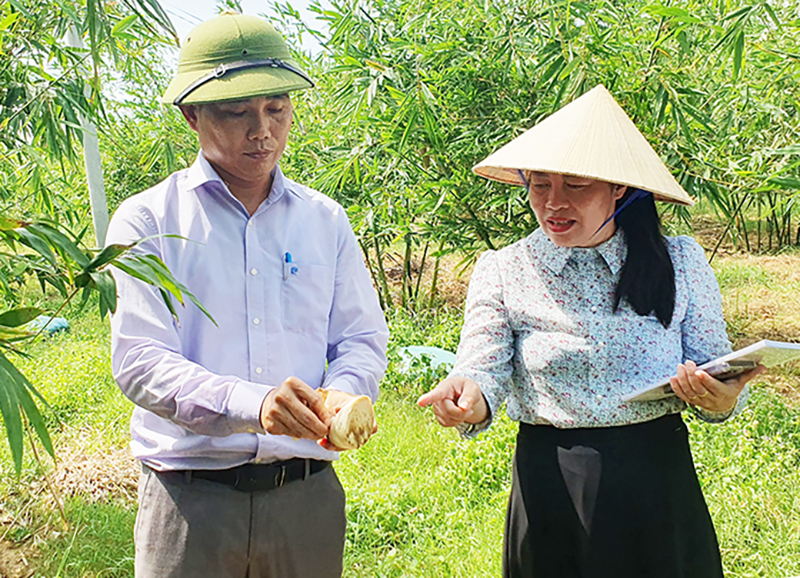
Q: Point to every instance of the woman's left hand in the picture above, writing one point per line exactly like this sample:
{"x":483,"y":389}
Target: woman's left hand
{"x":696,"y":387}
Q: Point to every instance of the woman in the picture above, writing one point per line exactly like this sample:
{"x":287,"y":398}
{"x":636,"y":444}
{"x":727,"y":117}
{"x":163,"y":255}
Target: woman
{"x":593,"y":305}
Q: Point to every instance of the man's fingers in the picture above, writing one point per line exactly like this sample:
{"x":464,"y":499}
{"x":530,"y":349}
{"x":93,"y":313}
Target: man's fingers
{"x":293,"y":406}
{"x":314,"y":401}
{"x":286,"y":423}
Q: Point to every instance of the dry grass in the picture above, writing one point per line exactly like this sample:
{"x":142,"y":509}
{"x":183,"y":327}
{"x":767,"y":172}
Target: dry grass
{"x":761,"y":296}
{"x":761,"y":300}
{"x":451,"y":284}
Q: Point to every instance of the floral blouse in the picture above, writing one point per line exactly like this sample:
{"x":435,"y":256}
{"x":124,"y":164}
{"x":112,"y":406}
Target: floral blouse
{"x":540,"y":333}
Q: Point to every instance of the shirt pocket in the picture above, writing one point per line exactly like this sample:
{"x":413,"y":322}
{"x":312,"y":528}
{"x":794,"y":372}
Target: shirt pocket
{"x":306,"y":298}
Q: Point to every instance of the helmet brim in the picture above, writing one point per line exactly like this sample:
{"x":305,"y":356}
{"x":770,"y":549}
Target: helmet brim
{"x":239,"y":85}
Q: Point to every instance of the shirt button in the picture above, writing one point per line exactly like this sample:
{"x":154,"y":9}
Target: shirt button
{"x":594,"y":309}
{"x":256,"y":321}
{"x":600,"y":344}
{"x":249,"y":223}
{"x":599,"y":398}
{"x":254,"y":271}
{"x":259,"y":371}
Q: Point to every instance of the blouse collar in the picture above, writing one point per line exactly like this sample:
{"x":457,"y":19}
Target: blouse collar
{"x":555,"y":258}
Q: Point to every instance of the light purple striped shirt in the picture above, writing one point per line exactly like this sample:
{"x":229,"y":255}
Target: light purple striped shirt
{"x":292,"y":297}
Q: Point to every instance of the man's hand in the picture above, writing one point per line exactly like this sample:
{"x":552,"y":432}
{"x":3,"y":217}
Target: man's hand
{"x":698,"y":388}
{"x":294,"y":409}
{"x":456,"y":400}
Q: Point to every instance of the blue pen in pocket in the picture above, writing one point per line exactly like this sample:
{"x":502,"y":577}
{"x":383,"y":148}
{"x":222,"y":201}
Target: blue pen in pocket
{"x":287,"y":264}
{"x":289,"y":268}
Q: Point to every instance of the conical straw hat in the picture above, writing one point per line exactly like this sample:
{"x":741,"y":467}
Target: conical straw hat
{"x":590,"y":137}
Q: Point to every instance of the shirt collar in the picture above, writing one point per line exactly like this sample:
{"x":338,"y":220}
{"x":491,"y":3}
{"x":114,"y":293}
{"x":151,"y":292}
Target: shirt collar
{"x":555,"y":258}
{"x":201,"y":173}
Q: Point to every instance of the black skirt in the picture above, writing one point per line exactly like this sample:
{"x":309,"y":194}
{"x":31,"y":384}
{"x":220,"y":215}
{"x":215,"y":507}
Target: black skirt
{"x":608,"y":502}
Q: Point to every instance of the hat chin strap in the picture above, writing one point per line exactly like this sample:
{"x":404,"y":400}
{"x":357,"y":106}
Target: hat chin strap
{"x":637,"y":194}
{"x":224,"y":69}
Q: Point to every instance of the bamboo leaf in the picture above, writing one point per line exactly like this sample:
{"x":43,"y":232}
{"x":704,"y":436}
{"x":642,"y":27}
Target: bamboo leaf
{"x":22,"y":391}
{"x":792,"y":149}
{"x":567,"y":70}
{"x":29,"y":239}
{"x":6,"y":22}
{"x":21,"y":316}
{"x":772,"y":15}
{"x":151,"y":270}
{"x":738,"y":54}
{"x":673,"y":13}
{"x":108,"y":291}
{"x":106,"y":256}
{"x":9,"y":407}
{"x":786,"y":182}
{"x":59,"y":240}
{"x":11,"y":334}
{"x":123,"y":25}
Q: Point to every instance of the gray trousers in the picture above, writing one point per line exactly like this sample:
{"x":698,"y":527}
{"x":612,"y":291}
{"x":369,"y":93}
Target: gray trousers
{"x":205,"y":529}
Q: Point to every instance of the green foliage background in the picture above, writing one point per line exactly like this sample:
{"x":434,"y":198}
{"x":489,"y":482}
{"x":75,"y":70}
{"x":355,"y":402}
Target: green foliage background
{"x":410,"y":95}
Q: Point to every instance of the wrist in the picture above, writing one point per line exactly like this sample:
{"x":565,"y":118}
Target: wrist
{"x":730,"y":408}
{"x":265,"y":405}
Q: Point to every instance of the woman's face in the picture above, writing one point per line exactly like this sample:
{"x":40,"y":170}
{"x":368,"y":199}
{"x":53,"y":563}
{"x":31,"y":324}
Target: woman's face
{"x":571,"y":209}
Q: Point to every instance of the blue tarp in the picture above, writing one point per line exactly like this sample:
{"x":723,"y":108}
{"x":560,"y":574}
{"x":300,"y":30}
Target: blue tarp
{"x":53,"y":324}
{"x":436,"y":355}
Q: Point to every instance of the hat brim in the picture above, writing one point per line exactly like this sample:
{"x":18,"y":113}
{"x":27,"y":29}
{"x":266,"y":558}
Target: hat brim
{"x":510,"y":176}
{"x":239,"y":85}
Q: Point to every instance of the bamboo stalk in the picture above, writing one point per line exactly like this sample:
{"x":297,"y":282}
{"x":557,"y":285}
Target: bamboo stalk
{"x":406,"y":285}
{"x":381,"y":270}
{"x":743,"y":224}
{"x":436,"y":273}
{"x":421,"y":271}
{"x":727,"y":228}
{"x":372,"y":274}
{"x":759,"y":224}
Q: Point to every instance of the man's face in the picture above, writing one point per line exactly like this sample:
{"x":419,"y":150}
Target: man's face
{"x":243,"y":140}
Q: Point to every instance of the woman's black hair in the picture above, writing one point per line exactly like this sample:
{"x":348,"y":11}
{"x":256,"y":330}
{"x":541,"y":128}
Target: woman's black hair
{"x":647,"y":279}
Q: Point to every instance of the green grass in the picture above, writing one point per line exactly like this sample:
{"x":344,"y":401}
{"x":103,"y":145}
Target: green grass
{"x":732,"y":275}
{"x":98,"y":543}
{"x":750,"y":472}
{"x":421,"y":502}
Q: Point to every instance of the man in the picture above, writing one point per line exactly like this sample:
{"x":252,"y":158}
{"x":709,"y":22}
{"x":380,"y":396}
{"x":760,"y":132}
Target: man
{"x":229,"y":426}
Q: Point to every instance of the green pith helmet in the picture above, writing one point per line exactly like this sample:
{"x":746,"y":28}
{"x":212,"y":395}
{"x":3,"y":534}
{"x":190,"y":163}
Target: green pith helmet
{"x":234,"y":57}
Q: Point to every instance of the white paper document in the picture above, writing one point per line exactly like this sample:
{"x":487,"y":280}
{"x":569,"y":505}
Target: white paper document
{"x":767,"y":353}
